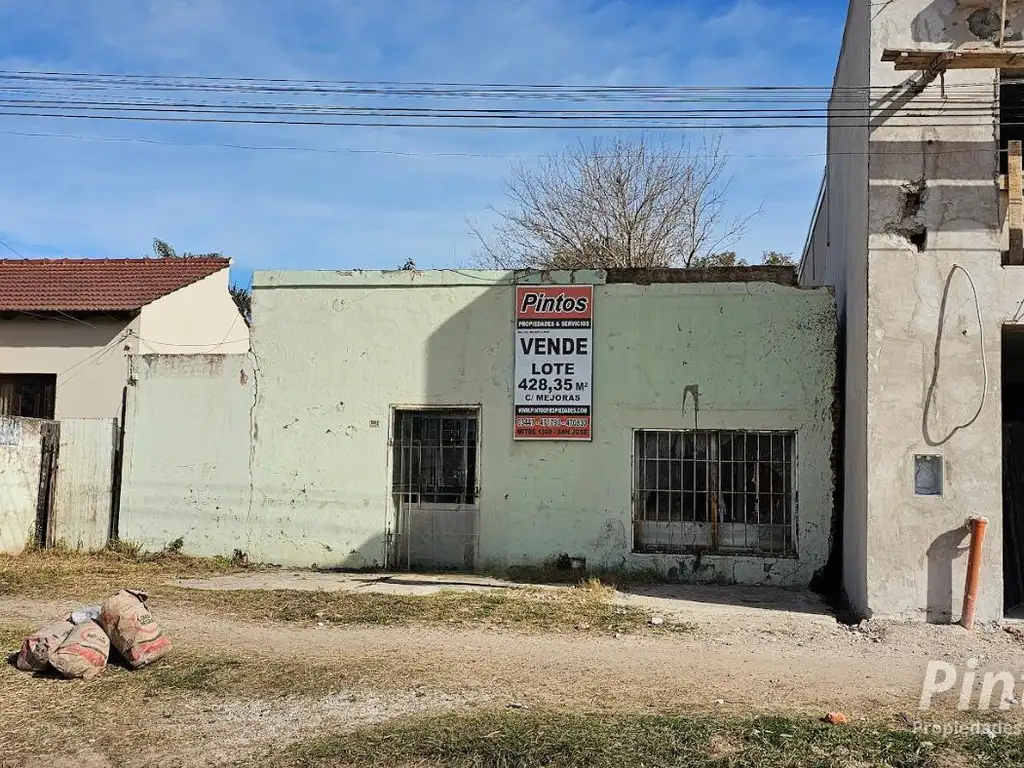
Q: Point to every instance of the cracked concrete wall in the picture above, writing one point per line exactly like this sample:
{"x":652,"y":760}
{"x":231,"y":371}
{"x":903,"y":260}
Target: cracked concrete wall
{"x":186,"y":471}
{"x":335,"y":352}
{"x":934,"y":204}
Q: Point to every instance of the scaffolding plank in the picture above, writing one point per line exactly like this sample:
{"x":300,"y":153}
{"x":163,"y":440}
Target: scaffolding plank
{"x":993,"y":4}
{"x":992,"y":57}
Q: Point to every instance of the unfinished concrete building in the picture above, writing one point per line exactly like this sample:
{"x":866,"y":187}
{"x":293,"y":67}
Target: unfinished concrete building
{"x":919,"y":228}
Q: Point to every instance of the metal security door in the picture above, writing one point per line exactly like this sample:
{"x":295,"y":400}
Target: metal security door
{"x":435,"y":489}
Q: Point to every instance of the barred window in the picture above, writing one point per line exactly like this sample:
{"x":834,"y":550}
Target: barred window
{"x":706,"y":491}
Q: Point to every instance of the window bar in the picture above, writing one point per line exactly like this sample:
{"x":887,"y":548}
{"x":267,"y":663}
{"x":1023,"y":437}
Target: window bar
{"x":771,"y":492}
{"x":712,"y":491}
{"x":757,"y":485}
{"x":464,"y":499}
{"x":657,"y":481}
{"x":407,"y":489}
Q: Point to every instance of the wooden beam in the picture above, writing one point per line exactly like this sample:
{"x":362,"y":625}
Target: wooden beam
{"x":1015,"y":204}
{"x":990,"y":57}
{"x":984,"y":3}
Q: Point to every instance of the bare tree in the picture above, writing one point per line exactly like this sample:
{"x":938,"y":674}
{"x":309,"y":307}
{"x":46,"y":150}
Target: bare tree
{"x":624,"y":202}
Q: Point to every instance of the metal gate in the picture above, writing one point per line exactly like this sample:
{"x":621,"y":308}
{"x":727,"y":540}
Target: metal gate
{"x":435,"y":489}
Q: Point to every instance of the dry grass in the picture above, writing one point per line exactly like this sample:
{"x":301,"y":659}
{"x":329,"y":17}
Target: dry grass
{"x":57,"y":573}
{"x":175,"y":707}
{"x":60,"y":575}
{"x":575,"y":609}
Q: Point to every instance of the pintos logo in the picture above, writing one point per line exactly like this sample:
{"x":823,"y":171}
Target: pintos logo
{"x":546,"y":302}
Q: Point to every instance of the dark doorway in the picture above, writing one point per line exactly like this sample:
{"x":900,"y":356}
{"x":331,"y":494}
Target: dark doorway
{"x":32,"y":395}
{"x":1013,"y":471}
{"x":1011,"y":115}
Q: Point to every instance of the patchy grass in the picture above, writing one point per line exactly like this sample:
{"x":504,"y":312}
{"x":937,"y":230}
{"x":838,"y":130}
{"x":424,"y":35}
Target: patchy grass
{"x":510,"y":739}
{"x":572,"y":609}
{"x":126,"y":713}
{"x":66,"y":576}
{"x":183,"y":672}
{"x":58,"y":573}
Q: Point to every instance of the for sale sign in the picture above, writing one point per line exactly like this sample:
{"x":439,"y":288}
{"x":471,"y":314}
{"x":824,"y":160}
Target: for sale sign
{"x":554,"y":362}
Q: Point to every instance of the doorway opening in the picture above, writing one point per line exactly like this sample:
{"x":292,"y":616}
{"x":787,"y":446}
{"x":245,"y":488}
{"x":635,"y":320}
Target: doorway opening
{"x":435,"y":489}
{"x":1013,"y":471}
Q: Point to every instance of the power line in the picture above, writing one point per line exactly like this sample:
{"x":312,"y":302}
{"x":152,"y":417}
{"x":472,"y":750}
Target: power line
{"x":482,"y":155}
{"x":12,"y":250}
{"x":198,"y":82}
{"x":138,"y":98}
{"x":687,"y":125}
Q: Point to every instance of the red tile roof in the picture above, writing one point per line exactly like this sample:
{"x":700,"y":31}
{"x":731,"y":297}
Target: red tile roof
{"x":92,"y":285}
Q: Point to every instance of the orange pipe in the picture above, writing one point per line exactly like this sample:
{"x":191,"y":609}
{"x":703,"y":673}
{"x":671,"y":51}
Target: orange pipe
{"x":978,"y":526}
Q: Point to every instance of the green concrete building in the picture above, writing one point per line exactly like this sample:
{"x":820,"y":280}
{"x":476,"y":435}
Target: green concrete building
{"x":675,"y":419}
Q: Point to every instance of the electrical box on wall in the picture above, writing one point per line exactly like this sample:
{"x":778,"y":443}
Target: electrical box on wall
{"x":927,"y":475}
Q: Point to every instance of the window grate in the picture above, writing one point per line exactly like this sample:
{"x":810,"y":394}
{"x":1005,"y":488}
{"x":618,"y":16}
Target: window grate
{"x":717,"y":491}
{"x":435,"y":454}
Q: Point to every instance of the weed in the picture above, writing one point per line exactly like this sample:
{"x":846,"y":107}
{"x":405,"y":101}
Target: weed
{"x":124,"y":549}
{"x":556,"y":572}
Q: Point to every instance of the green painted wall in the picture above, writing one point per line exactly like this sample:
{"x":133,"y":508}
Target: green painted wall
{"x":335,"y":352}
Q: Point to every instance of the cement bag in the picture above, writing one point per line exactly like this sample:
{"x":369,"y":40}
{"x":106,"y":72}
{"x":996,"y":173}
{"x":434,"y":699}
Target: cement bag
{"x":84,"y":653}
{"x":132,"y":629}
{"x":35,"y":652}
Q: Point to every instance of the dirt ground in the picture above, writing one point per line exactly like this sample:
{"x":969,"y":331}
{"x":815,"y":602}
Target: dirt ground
{"x":744,"y":650}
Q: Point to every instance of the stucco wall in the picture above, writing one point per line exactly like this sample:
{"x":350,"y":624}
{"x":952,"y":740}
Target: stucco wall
{"x":336,"y":351}
{"x":88,"y":357}
{"x":200,"y":318}
{"x":933,"y":178}
{"x":187,"y":453}
{"x":20,"y":457}
{"x":847,"y":269}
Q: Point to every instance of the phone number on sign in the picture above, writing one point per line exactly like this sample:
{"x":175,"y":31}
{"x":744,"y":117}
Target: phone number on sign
{"x":527,"y":422}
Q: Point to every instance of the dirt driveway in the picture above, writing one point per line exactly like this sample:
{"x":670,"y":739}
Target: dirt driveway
{"x":734,"y":655}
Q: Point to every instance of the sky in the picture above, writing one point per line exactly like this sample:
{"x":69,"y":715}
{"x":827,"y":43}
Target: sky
{"x":374,"y":197}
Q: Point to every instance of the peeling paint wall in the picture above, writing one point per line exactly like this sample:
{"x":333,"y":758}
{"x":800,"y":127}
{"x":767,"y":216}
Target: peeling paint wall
{"x":335,"y":352}
{"x":186,"y":470}
{"x":20,"y":460}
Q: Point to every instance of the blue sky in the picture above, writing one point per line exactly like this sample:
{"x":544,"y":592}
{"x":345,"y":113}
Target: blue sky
{"x":105,"y":193}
